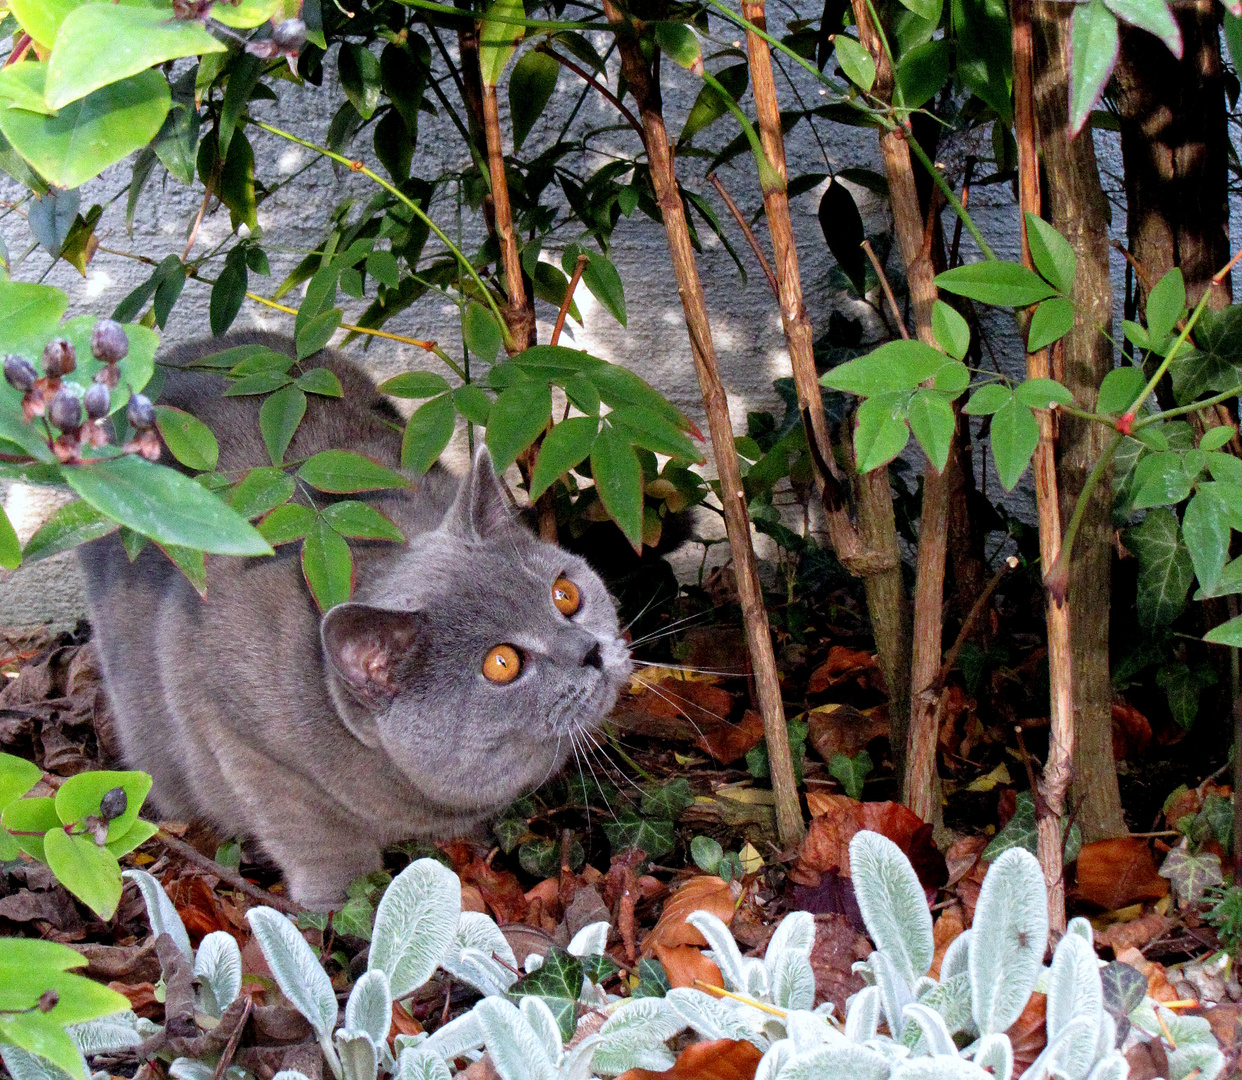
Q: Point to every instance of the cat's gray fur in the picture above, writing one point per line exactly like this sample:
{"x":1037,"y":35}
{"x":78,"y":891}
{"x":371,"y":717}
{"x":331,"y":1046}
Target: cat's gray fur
{"x":326,"y":740}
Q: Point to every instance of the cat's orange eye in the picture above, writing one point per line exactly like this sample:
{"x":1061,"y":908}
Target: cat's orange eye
{"x":502,"y":665}
{"x":566,"y":597}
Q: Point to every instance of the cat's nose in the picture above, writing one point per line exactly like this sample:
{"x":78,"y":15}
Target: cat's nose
{"x":593,"y":657}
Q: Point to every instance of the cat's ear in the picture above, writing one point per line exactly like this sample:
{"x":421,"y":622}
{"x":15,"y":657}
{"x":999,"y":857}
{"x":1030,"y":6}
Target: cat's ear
{"x":369,"y":650}
{"x":482,"y":508}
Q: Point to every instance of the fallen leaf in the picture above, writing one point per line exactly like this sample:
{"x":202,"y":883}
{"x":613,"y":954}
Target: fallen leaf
{"x":1028,"y":1035}
{"x":844,"y":665}
{"x":1113,"y":873}
{"x":141,"y":998}
{"x":402,"y":1024}
{"x":842,"y":729}
{"x":727,"y":742}
{"x":500,"y":889}
{"x":1131,"y":731}
{"x":1225,"y":1021}
{"x":1147,"y":1060}
{"x":1158,"y":986}
{"x":472,"y":899}
{"x":696,"y":712}
{"x":721,"y":1059}
{"x":838,"y":944}
{"x":949,"y":925}
{"x":1135,"y":934}
{"x":962,"y":856}
{"x":999,"y":775}
{"x":835,"y":820}
{"x":676,"y":944}
{"x":685,"y":965}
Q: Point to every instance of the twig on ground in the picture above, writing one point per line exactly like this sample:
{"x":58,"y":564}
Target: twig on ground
{"x":226,"y":874}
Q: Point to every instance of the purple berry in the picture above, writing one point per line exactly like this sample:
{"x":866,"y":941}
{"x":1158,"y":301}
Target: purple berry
{"x":58,"y":358}
{"x":108,"y":342}
{"x":141,"y":413}
{"x":98,"y":400}
{"x":65,"y":411}
{"x":290,"y":35}
{"x":113,"y":804}
{"x":20,"y":373}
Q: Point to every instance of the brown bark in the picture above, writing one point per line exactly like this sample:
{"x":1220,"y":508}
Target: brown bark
{"x":915,"y":242}
{"x":869,"y":550}
{"x":732,"y":497}
{"x":1075,"y":205}
{"x":1050,"y":796}
{"x":1175,"y":145}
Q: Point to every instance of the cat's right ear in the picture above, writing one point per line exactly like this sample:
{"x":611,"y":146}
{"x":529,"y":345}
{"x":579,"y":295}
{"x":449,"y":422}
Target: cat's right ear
{"x":370,"y":651}
{"x":482,"y":508}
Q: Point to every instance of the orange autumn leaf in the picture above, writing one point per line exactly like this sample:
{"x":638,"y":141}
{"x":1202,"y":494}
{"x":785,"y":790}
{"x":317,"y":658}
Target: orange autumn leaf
{"x":686,"y":966}
{"x":949,"y":925}
{"x":722,"y":1059}
{"x":1134,"y":935}
{"x":676,"y":944}
{"x":834,"y":821}
{"x":1028,"y":1034}
{"x":1114,"y":873}
{"x":840,"y":666}
{"x":727,"y":742}
{"x":1158,"y":985}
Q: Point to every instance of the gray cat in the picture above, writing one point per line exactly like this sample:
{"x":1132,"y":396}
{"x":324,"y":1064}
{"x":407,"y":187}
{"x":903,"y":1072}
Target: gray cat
{"x":466,"y":666}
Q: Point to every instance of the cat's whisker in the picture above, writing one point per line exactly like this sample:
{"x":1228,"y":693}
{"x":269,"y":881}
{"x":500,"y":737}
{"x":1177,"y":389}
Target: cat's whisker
{"x":603,"y":750}
{"x":586,"y":749}
{"x":578,"y":761}
{"x":654,"y":598}
{"x":671,"y":628}
{"x":687,"y":667}
{"x":681,"y":711}
{"x":674,"y":698}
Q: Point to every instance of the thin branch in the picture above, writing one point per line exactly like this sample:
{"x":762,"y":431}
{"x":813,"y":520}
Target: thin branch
{"x":747,"y":232}
{"x":888,"y":291}
{"x":591,"y":81}
{"x":226,"y":874}
{"x":976,"y":611}
{"x":579,"y":265}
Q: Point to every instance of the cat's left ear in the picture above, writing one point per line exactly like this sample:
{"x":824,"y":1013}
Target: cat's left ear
{"x":370,"y":651}
{"x":482,"y":507}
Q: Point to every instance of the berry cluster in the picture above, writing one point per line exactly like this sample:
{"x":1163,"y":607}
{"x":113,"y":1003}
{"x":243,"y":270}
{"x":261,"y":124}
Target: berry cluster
{"x":79,"y":416}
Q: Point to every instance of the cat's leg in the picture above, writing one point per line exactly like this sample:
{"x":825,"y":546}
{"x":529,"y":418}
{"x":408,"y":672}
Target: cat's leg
{"x":320,"y":860}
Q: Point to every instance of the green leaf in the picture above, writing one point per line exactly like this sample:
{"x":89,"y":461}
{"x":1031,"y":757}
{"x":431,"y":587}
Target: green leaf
{"x":322,"y":382}
{"x":628,"y":831}
{"x":279,"y":417}
{"x":359,"y":71}
{"x":1119,"y":389}
{"x":87,"y":136}
{"x":582,"y":394}
{"x":10,"y":546}
{"x":882,"y":432}
{"x":1003,"y":284}
{"x":361,"y":522}
{"x":1052,"y":254}
{"x":1215,"y":438}
{"x":228,"y":292}
{"x":343,"y":472}
{"x":88,"y":871}
{"x":855,"y":61}
{"x":262,"y":382}
{"x":517,"y":418}
{"x":188,"y":439}
{"x":1053,"y":319}
{"x":604,"y":283}
{"x":842,"y":226}
{"x":1021,"y":832}
{"x":619,"y":482}
{"x":502,"y":28}
{"x":1228,"y":633}
{"x":531,"y":84}
{"x":667,"y":800}
{"x":923,"y":69}
{"x":79,"y":797}
{"x":1165,"y":568}
{"x":706,"y":853}
{"x":427,"y":433}
{"x":1014,"y":436}
{"x":327,"y":566}
{"x":1093,"y":52}
{"x":165,"y":505}
{"x":540,"y":858}
{"x":1165,"y":304}
{"x":679,"y":43}
{"x":1154,"y":16}
{"x":415,"y":384}
{"x":287,"y":523}
{"x":1191,"y":875}
{"x":852,"y":772}
{"x":651,"y":431}
{"x":99,"y":44}
{"x":988,"y":399}
{"x":473,"y":403}
{"x":317,"y":332}
{"x":1040,"y":393}
{"x":382,"y":265}
{"x":29,"y":315}
{"x":566,"y":445}
{"x":32,"y":817}
{"x":557,"y":984}
{"x":47,"y":1038}
{"x":710,"y":106}
{"x":895,"y":366}
{"x":984,"y":52}
{"x":1182,"y":687}
{"x":42,"y":18}
{"x":933,"y":423}
{"x":952,"y":332}
{"x":480,"y":333}
{"x":1161,"y":479}
{"x":260,"y":490}
{"x":1205,"y":528}
{"x":17,"y":776}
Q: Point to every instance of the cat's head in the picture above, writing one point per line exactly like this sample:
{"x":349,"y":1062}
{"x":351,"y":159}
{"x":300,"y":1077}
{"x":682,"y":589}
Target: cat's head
{"x":481,"y":658}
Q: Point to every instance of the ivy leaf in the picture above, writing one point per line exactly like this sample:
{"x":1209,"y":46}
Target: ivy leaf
{"x":557,"y":983}
{"x":1093,"y":52}
{"x":1191,"y":875}
{"x":852,"y":772}
{"x":667,"y":800}
{"x":1165,"y":569}
{"x":653,"y":836}
{"x":327,"y":566}
{"x":1020,"y":831}
{"x":1124,"y":989}
{"x":427,"y":433}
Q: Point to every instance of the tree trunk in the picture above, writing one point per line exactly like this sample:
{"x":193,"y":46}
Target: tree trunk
{"x":1175,"y":145}
{"x":1074,"y":203}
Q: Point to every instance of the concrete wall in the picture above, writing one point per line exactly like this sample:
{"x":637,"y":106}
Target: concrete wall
{"x":745,"y":318}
